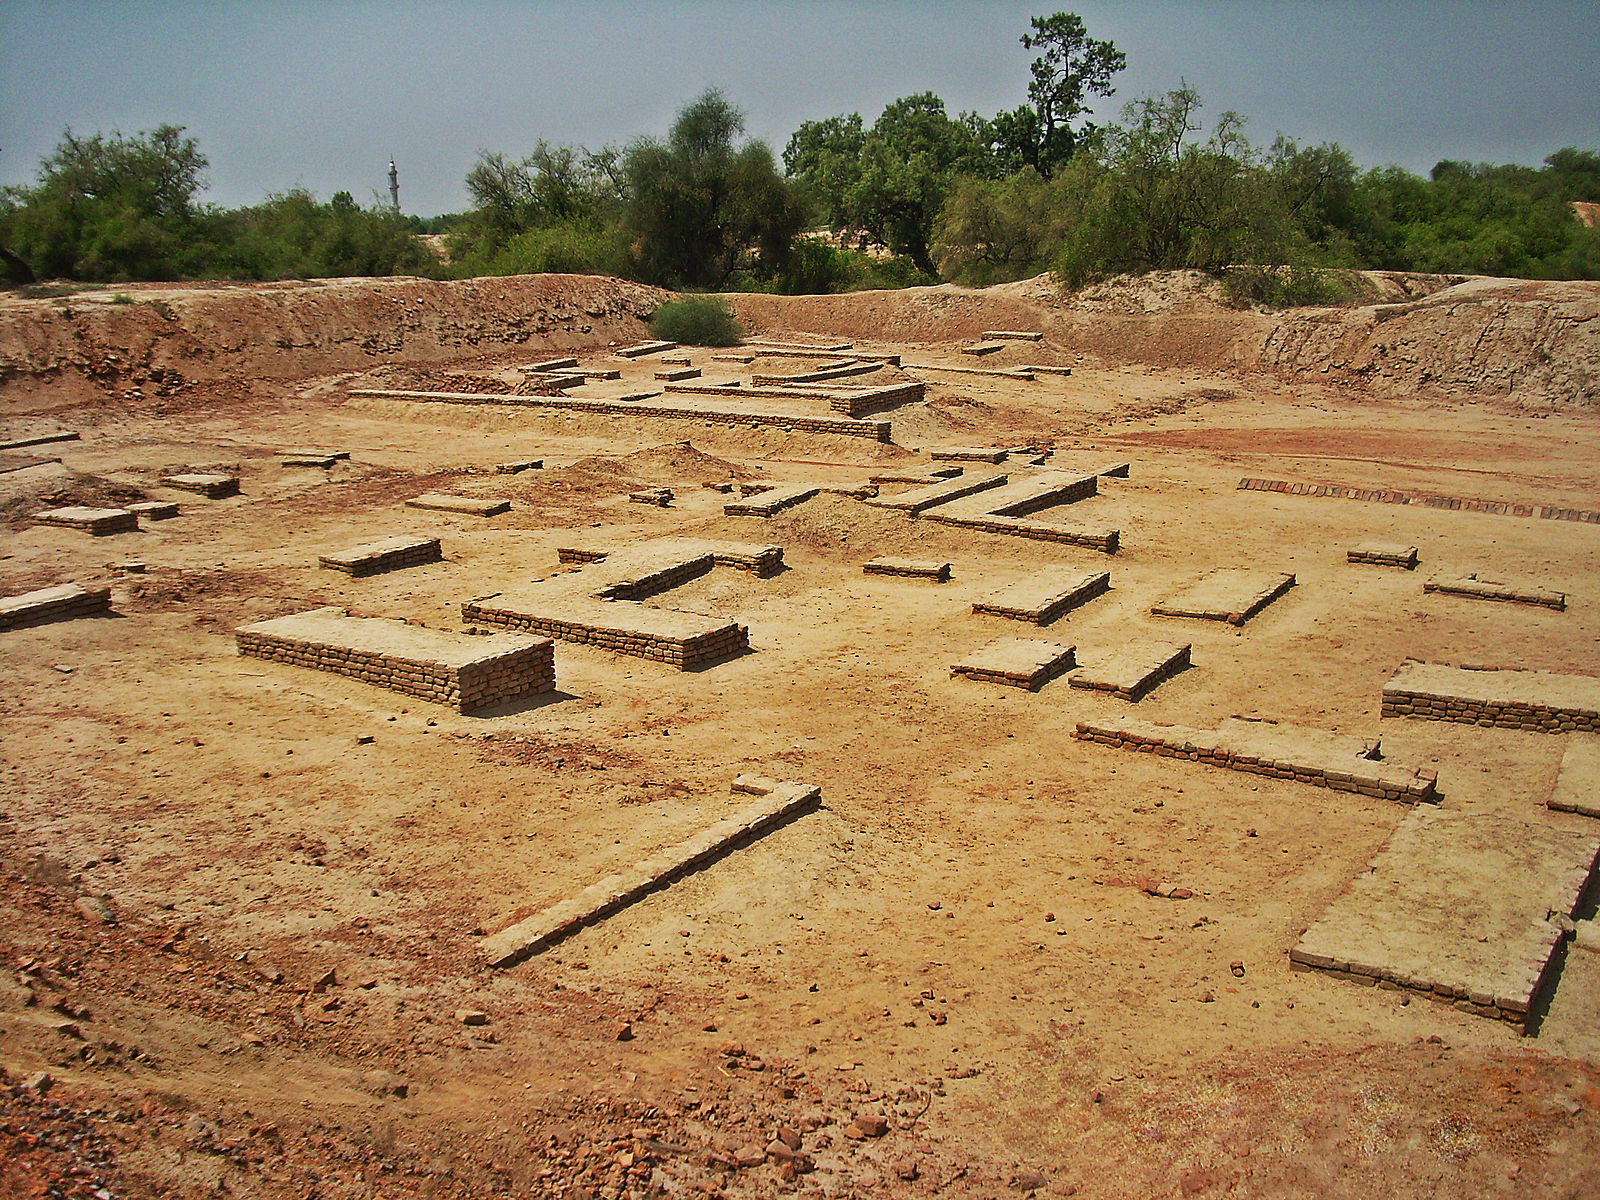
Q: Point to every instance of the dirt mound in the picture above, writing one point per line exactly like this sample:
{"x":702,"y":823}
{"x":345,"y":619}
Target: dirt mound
{"x":679,"y":460}
{"x":163,"y":336}
{"x":50,"y":485}
{"x":423,"y":379}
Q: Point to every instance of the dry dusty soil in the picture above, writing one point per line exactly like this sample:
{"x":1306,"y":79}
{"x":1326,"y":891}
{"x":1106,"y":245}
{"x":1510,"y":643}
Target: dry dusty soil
{"x":242,"y":903}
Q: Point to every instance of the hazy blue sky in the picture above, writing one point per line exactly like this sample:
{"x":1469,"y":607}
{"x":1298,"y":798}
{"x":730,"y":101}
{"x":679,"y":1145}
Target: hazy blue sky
{"x":319,"y":95}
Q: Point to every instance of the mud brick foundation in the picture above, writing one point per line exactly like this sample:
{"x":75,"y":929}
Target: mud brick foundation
{"x":643,"y":348}
{"x":754,"y":557}
{"x":1024,"y":373}
{"x":1539,"y":701}
{"x":155,"y":510}
{"x":920,"y":478}
{"x":1228,"y":595}
{"x":682,"y":640}
{"x":100,"y":522}
{"x":517,"y":468}
{"x":911,"y":568}
{"x":1383,"y":554}
{"x":675,"y":374}
{"x":311,"y":458}
{"x":1578,"y":785}
{"x":777,"y":806}
{"x":1342,"y":764}
{"x":988,"y":454}
{"x":661,"y":497}
{"x":941,"y":492}
{"x":767,"y":347}
{"x":550,"y":365}
{"x":1010,"y":335}
{"x":631,"y":405}
{"x":844,"y":370}
{"x":980,"y":349}
{"x":1025,"y":496}
{"x":1474,"y":588}
{"x":472,"y":506}
{"x":65,"y":602}
{"x":42,"y":439}
{"x":1042,"y":597}
{"x":1547,"y":512}
{"x":771,"y":502}
{"x":1455,"y":909}
{"x":1133,"y":671}
{"x":212,"y":487}
{"x":390,"y":554}
{"x":1044,"y":369}
{"x":1016,"y":662}
{"x":465,"y":673}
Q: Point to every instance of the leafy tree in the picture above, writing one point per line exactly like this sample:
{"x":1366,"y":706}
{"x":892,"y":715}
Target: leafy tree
{"x":1071,"y":68}
{"x":699,"y":206}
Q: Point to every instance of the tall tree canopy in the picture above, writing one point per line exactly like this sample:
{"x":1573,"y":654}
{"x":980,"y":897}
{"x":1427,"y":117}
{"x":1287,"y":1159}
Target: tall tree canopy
{"x":1071,"y":68}
{"x":699,"y":204}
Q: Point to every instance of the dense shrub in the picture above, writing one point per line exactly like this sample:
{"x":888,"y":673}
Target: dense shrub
{"x":697,"y":321}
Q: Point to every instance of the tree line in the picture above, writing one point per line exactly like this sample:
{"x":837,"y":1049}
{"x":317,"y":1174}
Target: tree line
{"x":918,"y":195}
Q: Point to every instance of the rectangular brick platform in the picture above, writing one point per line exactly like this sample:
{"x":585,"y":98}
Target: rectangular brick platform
{"x":683,"y":640}
{"x":1001,"y":510}
{"x":1023,"y":373}
{"x":757,"y":558}
{"x":941,"y":492}
{"x":675,"y":374}
{"x":1011,"y":335}
{"x":1043,"y":596}
{"x":1475,"y":588}
{"x":767,"y":347}
{"x":643,"y":348}
{"x":472,"y":506}
{"x":155,"y":510}
{"x":823,"y":374}
{"x":1454,"y":908}
{"x":1017,"y":662}
{"x":101,"y":522}
{"x":389,"y":554}
{"x":466,"y":673}
{"x":211,"y":486}
{"x":1132,"y":671}
{"x":1577,"y":787}
{"x":923,"y":478}
{"x":1045,"y":369}
{"x":1233,"y":595}
{"x":1505,"y":508}
{"x":661,"y":497}
{"x":1335,"y":761}
{"x":518,"y":467}
{"x":65,"y":602}
{"x":912,"y":568}
{"x":777,"y":806}
{"x":1383,"y":554}
{"x":772,"y":501}
{"x":980,"y":349}
{"x":303,"y":457}
{"x":551,"y":364}
{"x":1541,"y":701}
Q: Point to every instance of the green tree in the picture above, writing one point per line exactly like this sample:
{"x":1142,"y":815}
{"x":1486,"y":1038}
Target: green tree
{"x":1071,"y":68}
{"x":109,"y":208}
{"x":699,"y":206}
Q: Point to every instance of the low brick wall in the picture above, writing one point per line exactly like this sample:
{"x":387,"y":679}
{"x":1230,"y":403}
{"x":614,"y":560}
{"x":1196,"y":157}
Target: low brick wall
{"x":391,"y":554}
{"x":1265,"y":756}
{"x":779,"y":803}
{"x":661,"y":497}
{"x":212,"y":487}
{"x":1376,"y":555}
{"x":1017,"y":662}
{"x":942,"y":491}
{"x":462,"y":672}
{"x":910,"y":568}
{"x":1547,"y":512}
{"x":1538,"y":701}
{"x":1133,"y":671}
{"x":877,"y":430}
{"x":1474,"y":588}
{"x":682,"y":640}
{"x":1104,"y":540}
{"x":66,"y":602}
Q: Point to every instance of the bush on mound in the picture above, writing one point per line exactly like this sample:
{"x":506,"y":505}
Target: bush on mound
{"x":696,"y":321}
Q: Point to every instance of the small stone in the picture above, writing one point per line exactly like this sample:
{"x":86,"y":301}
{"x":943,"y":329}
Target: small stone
{"x":935,"y":905}
{"x":40,"y":1083}
{"x":1208,"y":998}
{"x":731,"y":1049}
{"x":1049,"y":918}
{"x":366,"y":739}
{"x":750,"y":1155}
{"x":68,"y":1029}
{"x":871,"y":1124}
{"x":63,"y":668}
{"x":97,"y":909}
{"x":472,"y":1016}
{"x":789,"y":1137}
{"x":252,"y":1039}
{"x":623,"y":1031}
{"x":324,"y":981}
{"x":906,"y":1168}
{"x":1237,"y":968}
{"x":1028,"y":1181}
{"x":270,"y":974}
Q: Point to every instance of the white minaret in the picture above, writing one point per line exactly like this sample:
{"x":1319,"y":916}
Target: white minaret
{"x":394,"y":186}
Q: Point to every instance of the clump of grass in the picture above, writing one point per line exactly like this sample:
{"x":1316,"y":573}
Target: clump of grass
{"x":121,"y":298}
{"x":697,"y":321}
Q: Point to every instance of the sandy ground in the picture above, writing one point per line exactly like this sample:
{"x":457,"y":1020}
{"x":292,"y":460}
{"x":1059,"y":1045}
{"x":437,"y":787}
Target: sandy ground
{"x":300,"y":866}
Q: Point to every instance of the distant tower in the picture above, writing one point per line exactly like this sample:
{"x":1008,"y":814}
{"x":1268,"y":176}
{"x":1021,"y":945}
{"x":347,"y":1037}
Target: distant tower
{"x":394,"y":186}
